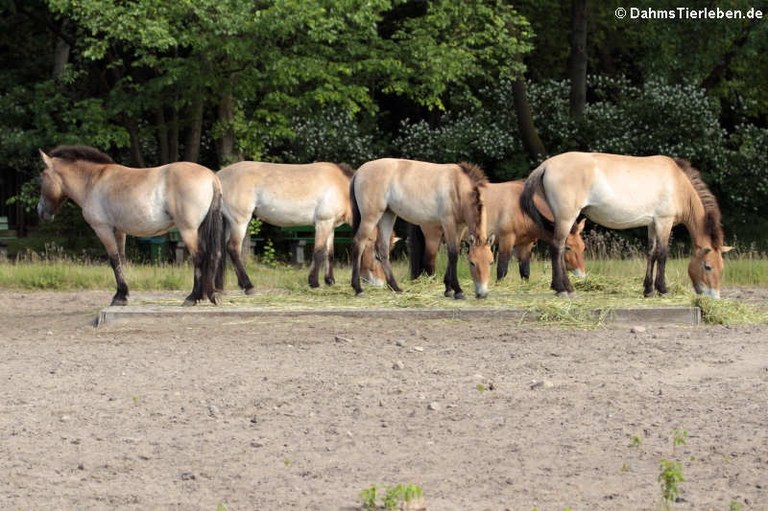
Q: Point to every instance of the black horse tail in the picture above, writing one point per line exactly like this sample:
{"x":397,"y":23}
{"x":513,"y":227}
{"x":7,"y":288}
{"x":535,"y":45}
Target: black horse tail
{"x":534,"y":185}
{"x":353,"y":205}
{"x":211,"y":235}
{"x":416,"y":248}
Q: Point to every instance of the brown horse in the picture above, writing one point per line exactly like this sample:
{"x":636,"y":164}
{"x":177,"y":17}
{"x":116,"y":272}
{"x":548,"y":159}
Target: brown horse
{"x":446,"y":195}
{"x":516,"y":233}
{"x":289,"y":195}
{"x":621,"y":192}
{"x":116,"y":201}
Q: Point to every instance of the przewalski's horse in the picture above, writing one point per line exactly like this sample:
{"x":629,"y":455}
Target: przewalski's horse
{"x":621,"y":192}
{"x":118,"y":200}
{"x":287,"y":195}
{"x":446,"y":195}
{"x":515,"y":232}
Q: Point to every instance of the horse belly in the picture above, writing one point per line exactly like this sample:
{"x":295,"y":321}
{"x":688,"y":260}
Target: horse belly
{"x":420,"y":212}
{"x":283,"y":212}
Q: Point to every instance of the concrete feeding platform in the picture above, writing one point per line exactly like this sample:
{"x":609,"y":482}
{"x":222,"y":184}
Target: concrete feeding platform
{"x":680,"y":316}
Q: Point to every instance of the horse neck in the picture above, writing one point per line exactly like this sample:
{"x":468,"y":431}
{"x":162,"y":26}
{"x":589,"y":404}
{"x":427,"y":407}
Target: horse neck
{"x":75,"y":178}
{"x":694,"y":219}
{"x":476,"y":219}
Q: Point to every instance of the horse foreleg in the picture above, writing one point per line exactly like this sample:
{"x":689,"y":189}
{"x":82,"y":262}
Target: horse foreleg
{"x":108,"y":237}
{"x":451,"y":279}
{"x":432,"y":237}
{"x":120,"y":241}
{"x":504,"y":256}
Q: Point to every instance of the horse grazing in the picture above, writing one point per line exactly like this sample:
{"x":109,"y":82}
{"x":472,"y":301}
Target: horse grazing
{"x":287,"y":195}
{"x":515,"y":232}
{"x":118,"y":200}
{"x":449,"y":196}
{"x":621,"y":192}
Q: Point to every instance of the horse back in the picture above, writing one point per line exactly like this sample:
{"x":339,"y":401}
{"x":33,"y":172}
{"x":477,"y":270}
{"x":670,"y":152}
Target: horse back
{"x":287,"y":194}
{"x":421,"y":193}
{"x":614,"y":190}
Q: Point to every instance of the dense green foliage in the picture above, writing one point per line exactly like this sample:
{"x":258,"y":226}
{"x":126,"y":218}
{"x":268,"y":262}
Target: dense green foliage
{"x":214,"y":81}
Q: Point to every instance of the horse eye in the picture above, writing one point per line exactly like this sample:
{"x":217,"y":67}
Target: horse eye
{"x":568,"y":249}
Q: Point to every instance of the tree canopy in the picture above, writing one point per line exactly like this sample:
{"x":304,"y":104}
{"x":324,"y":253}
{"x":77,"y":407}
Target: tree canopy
{"x":153,"y":81}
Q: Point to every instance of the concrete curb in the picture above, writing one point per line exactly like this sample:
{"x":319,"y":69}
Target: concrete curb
{"x":681,"y":316}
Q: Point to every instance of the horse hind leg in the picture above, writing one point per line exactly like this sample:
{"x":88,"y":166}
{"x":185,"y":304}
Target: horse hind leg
{"x":236,"y":235}
{"x":561,"y":284}
{"x":386,"y":225}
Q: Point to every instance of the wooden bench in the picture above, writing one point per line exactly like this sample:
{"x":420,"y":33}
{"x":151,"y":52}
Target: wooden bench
{"x":6,"y":234}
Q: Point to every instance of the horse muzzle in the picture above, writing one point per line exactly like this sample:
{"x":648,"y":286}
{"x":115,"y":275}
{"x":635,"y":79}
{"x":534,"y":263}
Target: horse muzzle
{"x":709,"y":292}
{"x":481,"y":291}
{"x":44,"y":213}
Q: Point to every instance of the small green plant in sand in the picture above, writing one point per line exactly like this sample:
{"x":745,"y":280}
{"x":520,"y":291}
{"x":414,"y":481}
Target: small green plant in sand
{"x":671,"y":471}
{"x":400,"y":496}
{"x":670,"y":477}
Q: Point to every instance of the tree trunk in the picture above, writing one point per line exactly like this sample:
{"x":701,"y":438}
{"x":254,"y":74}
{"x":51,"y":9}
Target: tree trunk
{"x":162,"y":136}
{"x":577,"y":64}
{"x":226,"y":119}
{"x":173,"y":136}
{"x":195,"y":130}
{"x":530,"y":136}
{"x":133,"y":132}
{"x":60,"y":55}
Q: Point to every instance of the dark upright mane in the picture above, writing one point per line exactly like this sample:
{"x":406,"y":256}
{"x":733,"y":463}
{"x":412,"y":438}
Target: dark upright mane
{"x":712,"y":215}
{"x":479,"y":179}
{"x":80,"y":152}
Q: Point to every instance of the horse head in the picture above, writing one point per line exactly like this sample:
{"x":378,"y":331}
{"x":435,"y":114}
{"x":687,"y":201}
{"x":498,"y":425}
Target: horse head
{"x":480,"y":260}
{"x":574,"y":250}
{"x":51,"y":190}
{"x":706,"y":269}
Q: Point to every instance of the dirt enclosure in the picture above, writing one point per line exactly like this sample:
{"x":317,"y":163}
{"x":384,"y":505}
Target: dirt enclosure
{"x":304,"y":413}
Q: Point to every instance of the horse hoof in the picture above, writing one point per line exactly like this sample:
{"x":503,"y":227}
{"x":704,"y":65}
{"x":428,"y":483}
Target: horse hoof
{"x":448,"y":293}
{"x":458,"y":296}
{"x":189,"y":302}
{"x":250,"y":291}
{"x":215,"y":298}
{"x":119,"y":302}
{"x":359,"y":294}
{"x":330,"y":282}
{"x":562,"y":294}
{"x":649,"y":294}
{"x":314,"y":285}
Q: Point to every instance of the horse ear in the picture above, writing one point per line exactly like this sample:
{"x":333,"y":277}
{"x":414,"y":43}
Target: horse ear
{"x":471,"y":239}
{"x":725,"y":249}
{"x":491,"y":240}
{"x":580,"y":226}
{"x":46,"y":159}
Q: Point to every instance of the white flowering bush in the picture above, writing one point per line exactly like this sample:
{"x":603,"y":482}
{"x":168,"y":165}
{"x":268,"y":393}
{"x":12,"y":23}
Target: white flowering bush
{"x":329,"y":135}
{"x":471,"y":136}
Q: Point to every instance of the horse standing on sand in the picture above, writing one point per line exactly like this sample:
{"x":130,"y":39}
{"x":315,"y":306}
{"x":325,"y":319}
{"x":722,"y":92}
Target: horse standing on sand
{"x":288,"y":195}
{"x":515,"y":232}
{"x":448,"y":196}
{"x":118,"y":200}
{"x":621,"y":192}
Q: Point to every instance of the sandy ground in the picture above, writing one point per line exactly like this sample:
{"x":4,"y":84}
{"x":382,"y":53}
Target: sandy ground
{"x":304,"y":413}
